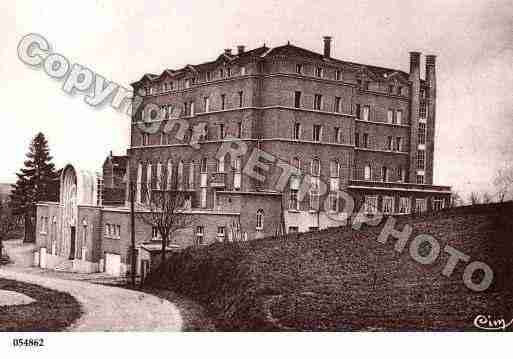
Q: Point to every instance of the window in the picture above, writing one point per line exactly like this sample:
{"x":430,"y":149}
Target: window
{"x":293,"y":229}
{"x":318,"y":72}
{"x":317,"y":102}
{"x":191,"y":175}
{"x":384,"y":174}
{"x":187,"y":83}
{"x":243,"y":71}
{"x":366,"y":111}
{"x":260,"y":220}
{"x":399,"y":117}
{"x":338,"y":75}
{"x":145,"y":139}
{"x":239,"y":129}
{"x":154,"y":233}
{"x":366,"y":85}
{"x":401,"y":174}
{"x":237,"y":177}
{"x":420,"y":205}
{"x":404,"y":205}
{"x":358,"y":110}
{"x":398,"y":144}
{"x":370,"y":205}
{"x":221,"y":232}
{"x":422,"y":133}
{"x":203,"y":165}
{"x":421,"y":157}
{"x":357,"y":139}
{"x":365,"y":140}
{"x":241,"y":98}
{"x":422,"y":109}
{"x":313,"y":229}
{"x":206,"y":104}
{"x":367,"y":173}
{"x":297,"y":99}
{"x":390,"y":116}
{"x":299,"y":68}
{"x":220,"y":165}
{"x":221,"y":73}
{"x":191,"y":108}
{"x":203,"y":199}
{"x":314,"y":199}
{"x":223,"y":101}
{"x":420,"y":179}
{"x":317,"y":133}
{"x":390,"y":89}
{"x":337,"y":135}
{"x":199,"y":235}
{"x":338,"y":105}
{"x":399,"y":90}
{"x":297,"y":131}
{"x":180,"y":174}
{"x":209,"y":75}
{"x":438,"y":204}
{"x":228,"y":71}
{"x":333,"y":201}
{"x":220,"y":132}
{"x":293,"y":201}
{"x":388,"y":205}
{"x":334,"y":169}
{"x":315,"y":167}
{"x":389,"y":143}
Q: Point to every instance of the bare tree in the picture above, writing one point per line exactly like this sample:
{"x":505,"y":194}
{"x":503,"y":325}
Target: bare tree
{"x":474,"y":198}
{"x":8,"y":224}
{"x":503,"y":181}
{"x":166,"y":206}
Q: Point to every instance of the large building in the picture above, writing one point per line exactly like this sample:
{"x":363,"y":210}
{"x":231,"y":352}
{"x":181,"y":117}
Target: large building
{"x":263,"y":141}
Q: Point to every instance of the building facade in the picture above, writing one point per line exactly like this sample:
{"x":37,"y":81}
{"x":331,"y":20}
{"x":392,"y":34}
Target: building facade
{"x":269,"y":140}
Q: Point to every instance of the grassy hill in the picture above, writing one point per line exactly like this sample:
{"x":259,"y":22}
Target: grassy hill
{"x":343,"y":279}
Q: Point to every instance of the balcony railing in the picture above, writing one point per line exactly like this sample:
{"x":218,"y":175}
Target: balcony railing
{"x":218,"y":180}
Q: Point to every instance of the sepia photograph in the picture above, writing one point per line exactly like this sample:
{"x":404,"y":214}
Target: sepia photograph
{"x":340,"y":171}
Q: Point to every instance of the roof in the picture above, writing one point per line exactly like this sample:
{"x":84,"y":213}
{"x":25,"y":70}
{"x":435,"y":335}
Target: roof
{"x":119,"y":162}
{"x":287,"y":50}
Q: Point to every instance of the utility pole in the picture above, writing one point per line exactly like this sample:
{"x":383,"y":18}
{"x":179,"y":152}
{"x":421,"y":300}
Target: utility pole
{"x":132,"y":229}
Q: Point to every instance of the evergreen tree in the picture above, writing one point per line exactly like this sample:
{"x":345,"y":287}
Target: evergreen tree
{"x":36,"y":182}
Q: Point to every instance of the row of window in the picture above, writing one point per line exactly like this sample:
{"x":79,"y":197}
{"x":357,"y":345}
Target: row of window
{"x":205,"y":135}
{"x":186,"y":83}
{"x":404,"y":206}
{"x":112,"y":231}
{"x":385,"y":175}
{"x":391,"y":144}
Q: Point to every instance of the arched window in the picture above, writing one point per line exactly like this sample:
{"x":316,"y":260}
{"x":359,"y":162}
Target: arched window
{"x":367,"y":173}
{"x":260,"y":219}
{"x":296,"y":162}
{"x":220,"y":165}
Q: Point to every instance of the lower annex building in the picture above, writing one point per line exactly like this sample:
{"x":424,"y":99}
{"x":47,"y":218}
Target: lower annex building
{"x":315,"y":125}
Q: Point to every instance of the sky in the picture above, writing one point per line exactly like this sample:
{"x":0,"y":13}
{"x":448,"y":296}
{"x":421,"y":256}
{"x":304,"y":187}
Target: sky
{"x":121,"y":40}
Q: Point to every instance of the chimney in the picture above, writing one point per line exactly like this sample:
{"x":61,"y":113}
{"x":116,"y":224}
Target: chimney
{"x":240,"y":49}
{"x":228,"y":52}
{"x":327,"y":46}
{"x":414,"y":65}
